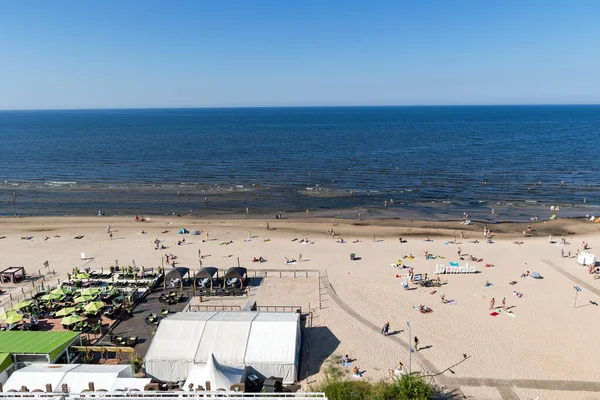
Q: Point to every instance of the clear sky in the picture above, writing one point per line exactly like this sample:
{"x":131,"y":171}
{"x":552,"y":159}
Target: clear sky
{"x":197,"y":53}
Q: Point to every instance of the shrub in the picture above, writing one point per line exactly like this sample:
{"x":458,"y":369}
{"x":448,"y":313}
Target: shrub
{"x":336,"y":387}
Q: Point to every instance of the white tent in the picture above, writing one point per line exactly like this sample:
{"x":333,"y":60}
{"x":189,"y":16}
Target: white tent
{"x":586,"y":259}
{"x":225,"y":336}
{"x":103,"y":376}
{"x":219,"y":376}
{"x":75,"y":376}
{"x":171,"y":353}
{"x":274,"y":345}
{"x":269,"y":342}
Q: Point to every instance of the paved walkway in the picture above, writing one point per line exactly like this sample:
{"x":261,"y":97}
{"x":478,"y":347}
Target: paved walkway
{"x":503,"y":386}
{"x":573,"y":278}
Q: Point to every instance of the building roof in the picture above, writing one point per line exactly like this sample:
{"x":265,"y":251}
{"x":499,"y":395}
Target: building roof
{"x":32,"y":342}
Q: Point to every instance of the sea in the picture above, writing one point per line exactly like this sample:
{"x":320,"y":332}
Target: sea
{"x":495,"y":163}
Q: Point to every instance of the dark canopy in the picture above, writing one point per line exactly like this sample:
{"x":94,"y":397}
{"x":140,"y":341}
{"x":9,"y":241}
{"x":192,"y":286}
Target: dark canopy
{"x":206,"y":272}
{"x":177,"y":272}
{"x":235,"y":275}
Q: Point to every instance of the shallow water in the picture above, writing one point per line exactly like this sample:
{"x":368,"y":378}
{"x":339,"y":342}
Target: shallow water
{"x":430,"y":161}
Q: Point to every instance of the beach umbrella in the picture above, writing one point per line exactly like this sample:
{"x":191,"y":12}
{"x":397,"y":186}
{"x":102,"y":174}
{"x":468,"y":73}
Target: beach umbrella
{"x":90,"y":292}
{"x":70,"y":320}
{"x":7,"y":314}
{"x":94,"y":306}
{"x":13,"y":319}
{"x":61,"y":290}
{"x":23,"y":304}
{"x":84,"y":298}
{"x":65,"y":311}
{"x":52,"y":296}
{"x":82,"y":275}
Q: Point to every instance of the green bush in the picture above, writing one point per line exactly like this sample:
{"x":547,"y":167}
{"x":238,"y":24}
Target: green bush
{"x":336,"y":387}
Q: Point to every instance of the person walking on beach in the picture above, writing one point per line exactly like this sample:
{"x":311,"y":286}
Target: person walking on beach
{"x":504,"y":303}
{"x":416,"y":343}
{"x":492,"y":303}
{"x":300,"y":257}
{"x":386,"y":328}
{"x":110,"y":234}
{"x":268,"y":227}
{"x":107,"y":228}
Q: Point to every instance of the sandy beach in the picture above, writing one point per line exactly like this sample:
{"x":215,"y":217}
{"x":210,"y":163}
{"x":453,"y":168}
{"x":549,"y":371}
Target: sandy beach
{"x":545,"y":336}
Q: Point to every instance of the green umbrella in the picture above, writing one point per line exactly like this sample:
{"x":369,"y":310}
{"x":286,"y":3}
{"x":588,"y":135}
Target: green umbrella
{"x":13,"y":319}
{"x":82,"y":275}
{"x":94,"y":306}
{"x":90,"y":292}
{"x":70,"y":320}
{"x":7,"y":314}
{"x":23,"y":304}
{"x":65,"y":311}
{"x":61,"y":290}
{"x":84,"y":298}
{"x":52,"y":296}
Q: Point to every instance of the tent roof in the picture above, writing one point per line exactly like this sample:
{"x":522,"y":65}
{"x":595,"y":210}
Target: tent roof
{"x":36,"y":376}
{"x":5,"y":361}
{"x":177,"y":336}
{"x":32,"y":342}
{"x":269,"y":342}
{"x":206,"y":272}
{"x":76,"y":376}
{"x":103,"y":376}
{"x":177,"y":272}
{"x":270,"y":339}
{"x":219,"y":376}
{"x":235,"y":272}
{"x":225,"y":336}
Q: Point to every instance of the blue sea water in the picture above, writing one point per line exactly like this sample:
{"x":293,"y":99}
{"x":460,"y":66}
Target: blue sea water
{"x":427,"y":162}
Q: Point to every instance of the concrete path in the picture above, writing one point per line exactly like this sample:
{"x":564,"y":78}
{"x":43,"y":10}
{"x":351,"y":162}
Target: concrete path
{"x":573,"y":278}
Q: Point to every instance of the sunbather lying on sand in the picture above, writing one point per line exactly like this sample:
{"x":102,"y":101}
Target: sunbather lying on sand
{"x":259,"y":259}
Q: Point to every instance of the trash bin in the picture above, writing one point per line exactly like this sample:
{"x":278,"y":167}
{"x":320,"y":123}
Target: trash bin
{"x":352,"y":256}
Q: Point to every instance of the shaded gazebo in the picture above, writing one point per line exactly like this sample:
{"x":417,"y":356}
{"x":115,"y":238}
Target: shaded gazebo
{"x":176,"y":273}
{"x":206,"y":276}
{"x":12,"y":275}
{"x":235,"y":276}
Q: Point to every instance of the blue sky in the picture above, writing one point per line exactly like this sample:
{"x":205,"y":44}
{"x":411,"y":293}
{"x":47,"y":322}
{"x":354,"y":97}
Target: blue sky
{"x":112,"y":54}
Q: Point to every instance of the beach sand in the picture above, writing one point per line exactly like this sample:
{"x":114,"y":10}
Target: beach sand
{"x":547,"y":336}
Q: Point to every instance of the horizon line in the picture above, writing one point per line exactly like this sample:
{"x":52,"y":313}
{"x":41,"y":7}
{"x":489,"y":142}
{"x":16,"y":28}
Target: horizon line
{"x":303,"y":106}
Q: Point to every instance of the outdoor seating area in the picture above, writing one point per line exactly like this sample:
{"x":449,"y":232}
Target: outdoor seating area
{"x":172,"y":298}
{"x":79,"y":307}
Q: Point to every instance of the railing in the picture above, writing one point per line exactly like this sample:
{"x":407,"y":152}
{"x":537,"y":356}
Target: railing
{"x":282,"y":273}
{"x":161,"y":395}
{"x":38,"y":285}
{"x":293,"y":309}
{"x":197,"y":307}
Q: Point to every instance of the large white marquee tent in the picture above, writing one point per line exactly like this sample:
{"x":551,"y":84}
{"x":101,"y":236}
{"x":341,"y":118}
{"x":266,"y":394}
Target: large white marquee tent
{"x":268,"y":342}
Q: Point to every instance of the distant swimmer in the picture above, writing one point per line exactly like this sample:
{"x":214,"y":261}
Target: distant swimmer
{"x":178,"y":193}
{"x":206,"y":201}
{"x":14,"y":197}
